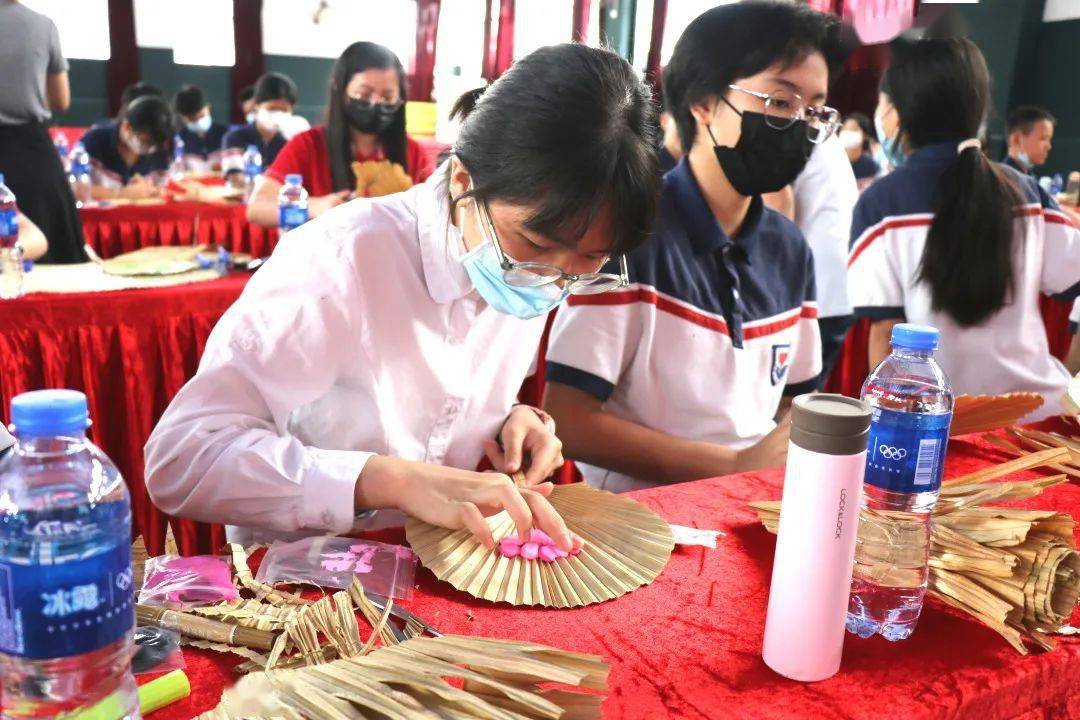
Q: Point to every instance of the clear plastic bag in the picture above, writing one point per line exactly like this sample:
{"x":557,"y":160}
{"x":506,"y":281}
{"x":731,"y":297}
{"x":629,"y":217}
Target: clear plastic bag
{"x":332,"y":562}
{"x":183,"y":582}
{"x":157,"y":650}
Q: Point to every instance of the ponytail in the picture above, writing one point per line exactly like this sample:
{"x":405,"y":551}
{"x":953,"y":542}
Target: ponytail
{"x":968,"y":259}
{"x":466,"y":103}
{"x":941,"y":91}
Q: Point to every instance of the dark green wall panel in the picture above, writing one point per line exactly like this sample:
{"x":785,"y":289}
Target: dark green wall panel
{"x":88,"y":97}
{"x":311,"y":76}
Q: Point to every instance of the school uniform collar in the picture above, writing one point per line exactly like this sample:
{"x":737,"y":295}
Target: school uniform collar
{"x":705,"y":234}
{"x":440,"y":250}
{"x":934,"y":153}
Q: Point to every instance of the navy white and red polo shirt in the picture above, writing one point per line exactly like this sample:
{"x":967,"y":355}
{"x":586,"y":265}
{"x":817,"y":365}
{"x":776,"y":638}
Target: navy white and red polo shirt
{"x":708,"y":337}
{"x":1008,"y":352}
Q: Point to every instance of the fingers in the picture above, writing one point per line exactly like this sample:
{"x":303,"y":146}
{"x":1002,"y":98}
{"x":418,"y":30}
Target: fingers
{"x":548,"y":519}
{"x":506,"y":497}
{"x":494,"y":455}
{"x":474,"y":522}
{"x":513,"y":438}
{"x":544,"y":459}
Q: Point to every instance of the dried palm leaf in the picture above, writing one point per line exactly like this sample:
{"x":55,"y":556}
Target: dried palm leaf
{"x":979,"y":413}
{"x":627,"y":545}
{"x":498,"y":679}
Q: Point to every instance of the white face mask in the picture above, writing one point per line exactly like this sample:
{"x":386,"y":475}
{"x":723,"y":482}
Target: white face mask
{"x":249,"y":117}
{"x":851,"y":139}
{"x":272,"y":119}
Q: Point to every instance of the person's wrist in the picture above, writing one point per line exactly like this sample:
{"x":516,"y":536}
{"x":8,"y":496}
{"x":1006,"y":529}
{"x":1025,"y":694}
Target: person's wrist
{"x":379,"y":485}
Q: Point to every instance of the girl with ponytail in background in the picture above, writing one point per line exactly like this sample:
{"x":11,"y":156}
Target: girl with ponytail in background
{"x":954,"y":240}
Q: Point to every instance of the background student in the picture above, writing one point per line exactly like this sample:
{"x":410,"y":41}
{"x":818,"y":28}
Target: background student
{"x":126,"y":152}
{"x":201,"y":135}
{"x":953,"y":240}
{"x":365,"y":124}
{"x":1030,"y":131}
{"x":275,"y":98}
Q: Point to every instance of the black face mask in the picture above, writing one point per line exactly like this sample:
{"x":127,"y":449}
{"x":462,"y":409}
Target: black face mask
{"x":369,"y":117}
{"x":765,"y":159}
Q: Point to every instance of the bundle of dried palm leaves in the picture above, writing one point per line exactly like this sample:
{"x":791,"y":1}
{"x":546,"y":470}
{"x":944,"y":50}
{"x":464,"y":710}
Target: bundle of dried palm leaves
{"x":980,"y":413}
{"x":498,"y":679}
{"x":1015,"y":570}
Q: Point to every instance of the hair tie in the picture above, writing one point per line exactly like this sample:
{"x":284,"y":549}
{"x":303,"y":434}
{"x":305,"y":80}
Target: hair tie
{"x":969,"y":143}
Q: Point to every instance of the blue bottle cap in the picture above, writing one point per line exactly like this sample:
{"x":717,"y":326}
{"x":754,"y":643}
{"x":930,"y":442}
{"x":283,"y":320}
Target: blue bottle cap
{"x":915,"y":337}
{"x":1,"y":178}
{"x":45,"y":413}
{"x":252,"y":148}
{"x":294,"y":179}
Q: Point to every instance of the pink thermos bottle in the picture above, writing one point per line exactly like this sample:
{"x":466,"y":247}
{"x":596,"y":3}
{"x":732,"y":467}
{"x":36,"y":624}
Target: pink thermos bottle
{"x":815,"y":547}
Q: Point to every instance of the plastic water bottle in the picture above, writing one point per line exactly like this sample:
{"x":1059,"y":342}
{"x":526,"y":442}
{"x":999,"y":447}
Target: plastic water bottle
{"x":292,"y":204}
{"x":252,"y":162}
{"x":1057,"y":184}
{"x":11,"y":267}
{"x":178,"y":168}
{"x":912,"y":405}
{"x":79,"y":175}
{"x":66,"y":603}
{"x":62,"y":145}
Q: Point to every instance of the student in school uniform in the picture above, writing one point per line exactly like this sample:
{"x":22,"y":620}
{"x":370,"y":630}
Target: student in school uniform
{"x":201,"y":135}
{"x":376,"y":357}
{"x":954,"y":240}
{"x":683,"y":374}
{"x":365,"y":126}
{"x":1030,"y":131}
{"x":126,"y":152}
{"x":275,"y":98}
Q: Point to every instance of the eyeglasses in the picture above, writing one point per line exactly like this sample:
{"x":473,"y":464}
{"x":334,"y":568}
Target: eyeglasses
{"x":783,"y":108}
{"x":535,"y":274}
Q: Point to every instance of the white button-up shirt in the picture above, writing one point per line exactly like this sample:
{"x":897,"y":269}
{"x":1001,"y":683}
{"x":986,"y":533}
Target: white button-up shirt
{"x":361,"y":335}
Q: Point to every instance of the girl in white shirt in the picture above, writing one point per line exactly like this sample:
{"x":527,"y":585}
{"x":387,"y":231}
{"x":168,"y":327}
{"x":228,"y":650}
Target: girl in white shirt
{"x":377,"y":355}
{"x":953,"y":240}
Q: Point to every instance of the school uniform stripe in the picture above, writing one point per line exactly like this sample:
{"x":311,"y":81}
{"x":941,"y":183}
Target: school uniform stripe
{"x":874,"y":232}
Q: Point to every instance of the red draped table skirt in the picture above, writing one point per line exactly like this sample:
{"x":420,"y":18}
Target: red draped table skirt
{"x":130,"y":351}
{"x":112,"y":231}
{"x":689,"y":644}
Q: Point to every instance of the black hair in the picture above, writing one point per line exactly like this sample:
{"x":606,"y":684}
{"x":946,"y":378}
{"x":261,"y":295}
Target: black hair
{"x":358,"y":57}
{"x":150,"y":115}
{"x":736,"y":41}
{"x":569,"y":131}
{"x":247,"y":94}
{"x":941,"y":91}
{"x":189,"y":100}
{"x":136,"y":90}
{"x":866,"y":126}
{"x":1024,"y":118}
{"x":275,"y":86}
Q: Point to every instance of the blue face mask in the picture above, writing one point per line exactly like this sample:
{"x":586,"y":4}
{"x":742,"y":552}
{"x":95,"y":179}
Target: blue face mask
{"x":890,"y":146}
{"x":483,"y":267}
{"x":1025,"y":160}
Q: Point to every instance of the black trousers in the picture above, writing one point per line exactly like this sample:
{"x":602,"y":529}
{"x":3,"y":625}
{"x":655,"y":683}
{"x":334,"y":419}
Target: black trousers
{"x":33,"y":171}
{"x":833,"y":333}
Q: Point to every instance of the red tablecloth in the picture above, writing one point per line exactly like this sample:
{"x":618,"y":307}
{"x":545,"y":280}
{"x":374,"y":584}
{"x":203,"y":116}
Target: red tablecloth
{"x":688,"y":646}
{"x":120,"y":229}
{"x":130,"y":351}
{"x":852,"y":365}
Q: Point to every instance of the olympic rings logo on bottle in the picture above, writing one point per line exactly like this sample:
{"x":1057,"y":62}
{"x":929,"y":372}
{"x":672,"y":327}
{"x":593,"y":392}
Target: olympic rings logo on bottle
{"x":892,"y":453}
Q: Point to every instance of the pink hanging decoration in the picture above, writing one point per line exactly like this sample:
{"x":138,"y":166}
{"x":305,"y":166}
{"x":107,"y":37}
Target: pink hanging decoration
{"x":879,"y":21}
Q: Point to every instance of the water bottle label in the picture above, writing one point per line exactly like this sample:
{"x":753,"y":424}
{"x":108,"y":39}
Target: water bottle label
{"x":906,"y":451}
{"x":290,"y":217}
{"x":9,"y":224}
{"x":53,"y":611}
